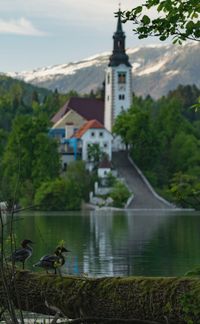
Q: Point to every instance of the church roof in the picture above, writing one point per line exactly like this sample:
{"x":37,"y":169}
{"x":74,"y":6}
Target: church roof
{"x":88,"y":125}
{"x":88,"y":108}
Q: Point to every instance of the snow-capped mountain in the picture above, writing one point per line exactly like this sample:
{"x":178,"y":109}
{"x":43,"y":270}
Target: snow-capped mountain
{"x":156,"y":70}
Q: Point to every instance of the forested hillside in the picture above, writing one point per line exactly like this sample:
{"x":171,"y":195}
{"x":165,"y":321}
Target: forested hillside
{"x":164,"y":140}
{"x":18,"y":97}
{"x":28,"y":156}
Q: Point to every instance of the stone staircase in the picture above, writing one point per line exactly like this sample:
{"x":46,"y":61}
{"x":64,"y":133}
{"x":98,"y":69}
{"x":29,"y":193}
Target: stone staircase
{"x":144,"y":195}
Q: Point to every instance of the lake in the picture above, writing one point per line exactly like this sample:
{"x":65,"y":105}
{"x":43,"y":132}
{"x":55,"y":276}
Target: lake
{"x":108,"y":243}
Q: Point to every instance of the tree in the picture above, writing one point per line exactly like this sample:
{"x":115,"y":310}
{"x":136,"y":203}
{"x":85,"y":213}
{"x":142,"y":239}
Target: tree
{"x":65,"y":193}
{"x":122,"y":126}
{"x":2,"y":141}
{"x":119,"y":194}
{"x":35,"y":97}
{"x":186,"y":190}
{"x":175,"y":18}
{"x":94,"y":154}
{"x":58,"y":195}
{"x":30,"y":158}
{"x":163,"y":137}
{"x":76,"y":171}
{"x":136,"y":129}
{"x":116,"y":300}
{"x":185,"y":147}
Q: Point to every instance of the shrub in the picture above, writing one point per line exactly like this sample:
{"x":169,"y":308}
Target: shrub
{"x":77,"y":173}
{"x":119,"y":194}
{"x":110,"y":179}
{"x":58,"y":195}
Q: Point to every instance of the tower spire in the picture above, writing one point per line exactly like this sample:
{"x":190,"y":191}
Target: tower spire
{"x":119,"y":55}
{"x":119,"y":22}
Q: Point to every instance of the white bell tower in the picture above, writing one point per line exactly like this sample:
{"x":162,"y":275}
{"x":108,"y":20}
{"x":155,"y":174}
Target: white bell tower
{"x":118,"y":79}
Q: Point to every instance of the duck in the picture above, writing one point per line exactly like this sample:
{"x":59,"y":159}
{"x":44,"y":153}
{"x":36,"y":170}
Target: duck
{"x":54,"y":261}
{"x":23,"y":253}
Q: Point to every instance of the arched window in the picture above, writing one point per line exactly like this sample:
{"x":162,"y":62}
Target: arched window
{"x":121,"y":77}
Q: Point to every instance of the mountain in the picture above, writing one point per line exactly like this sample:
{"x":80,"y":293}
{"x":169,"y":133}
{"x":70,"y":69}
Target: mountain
{"x":156,"y":70}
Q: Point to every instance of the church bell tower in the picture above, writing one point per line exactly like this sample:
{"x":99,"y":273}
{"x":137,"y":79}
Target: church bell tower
{"x":118,"y":87}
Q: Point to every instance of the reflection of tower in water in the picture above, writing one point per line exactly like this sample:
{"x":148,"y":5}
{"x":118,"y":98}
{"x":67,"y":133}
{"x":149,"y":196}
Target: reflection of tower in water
{"x":118,"y":241}
{"x":98,"y":253}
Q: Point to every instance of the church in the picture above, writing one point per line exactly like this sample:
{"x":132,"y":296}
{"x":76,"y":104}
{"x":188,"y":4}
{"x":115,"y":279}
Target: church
{"x":84,"y":122}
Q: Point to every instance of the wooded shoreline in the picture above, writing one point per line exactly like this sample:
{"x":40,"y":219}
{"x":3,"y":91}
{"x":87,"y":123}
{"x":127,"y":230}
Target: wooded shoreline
{"x":160,"y":299}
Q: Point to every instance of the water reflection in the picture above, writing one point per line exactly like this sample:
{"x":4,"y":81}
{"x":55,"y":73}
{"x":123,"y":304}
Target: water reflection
{"x":117,"y":243}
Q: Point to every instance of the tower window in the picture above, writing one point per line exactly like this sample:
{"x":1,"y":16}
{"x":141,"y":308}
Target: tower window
{"x":121,"y":97}
{"x":108,"y":98}
{"x":108,"y":79}
{"x":122,"y":77}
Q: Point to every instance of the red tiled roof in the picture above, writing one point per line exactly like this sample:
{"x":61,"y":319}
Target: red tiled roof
{"x":88,"y":108}
{"x":88,"y":125}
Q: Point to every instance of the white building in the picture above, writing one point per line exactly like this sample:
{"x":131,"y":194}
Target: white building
{"x":94,"y":133}
{"x":104,"y":168}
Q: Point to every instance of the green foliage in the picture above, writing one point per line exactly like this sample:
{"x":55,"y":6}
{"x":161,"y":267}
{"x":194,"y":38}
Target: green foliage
{"x":3,"y":136}
{"x":27,"y":155}
{"x":174,"y":18}
{"x":189,"y":96}
{"x":186,"y":190}
{"x":16,"y":98}
{"x":110,"y":179}
{"x":121,"y":126}
{"x":119,"y":194}
{"x":77,"y":173}
{"x":58,"y":195}
{"x":94,"y":154}
{"x":164,"y":139}
{"x":196,"y":106}
{"x":190,"y":308}
{"x":65,"y":193}
{"x":20,"y":98}
{"x":193,"y":273}
{"x":30,"y":157}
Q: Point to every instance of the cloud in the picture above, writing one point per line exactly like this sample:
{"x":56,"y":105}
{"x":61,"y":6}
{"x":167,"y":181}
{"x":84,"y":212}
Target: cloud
{"x":20,"y":26}
{"x":65,"y":9}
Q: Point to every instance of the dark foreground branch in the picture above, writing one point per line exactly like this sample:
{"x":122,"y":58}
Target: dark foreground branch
{"x":97,"y":320}
{"x":125,"y":300}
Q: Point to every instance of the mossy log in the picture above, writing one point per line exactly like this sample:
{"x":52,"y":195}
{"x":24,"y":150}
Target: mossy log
{"x":165,"y":300}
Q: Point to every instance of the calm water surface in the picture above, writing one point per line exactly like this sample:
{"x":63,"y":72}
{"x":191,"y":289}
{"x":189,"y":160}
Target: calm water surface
{"x":102,"y":243}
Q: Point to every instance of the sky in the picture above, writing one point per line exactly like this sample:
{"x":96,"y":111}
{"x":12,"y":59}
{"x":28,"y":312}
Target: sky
{"x":39,"y":33}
